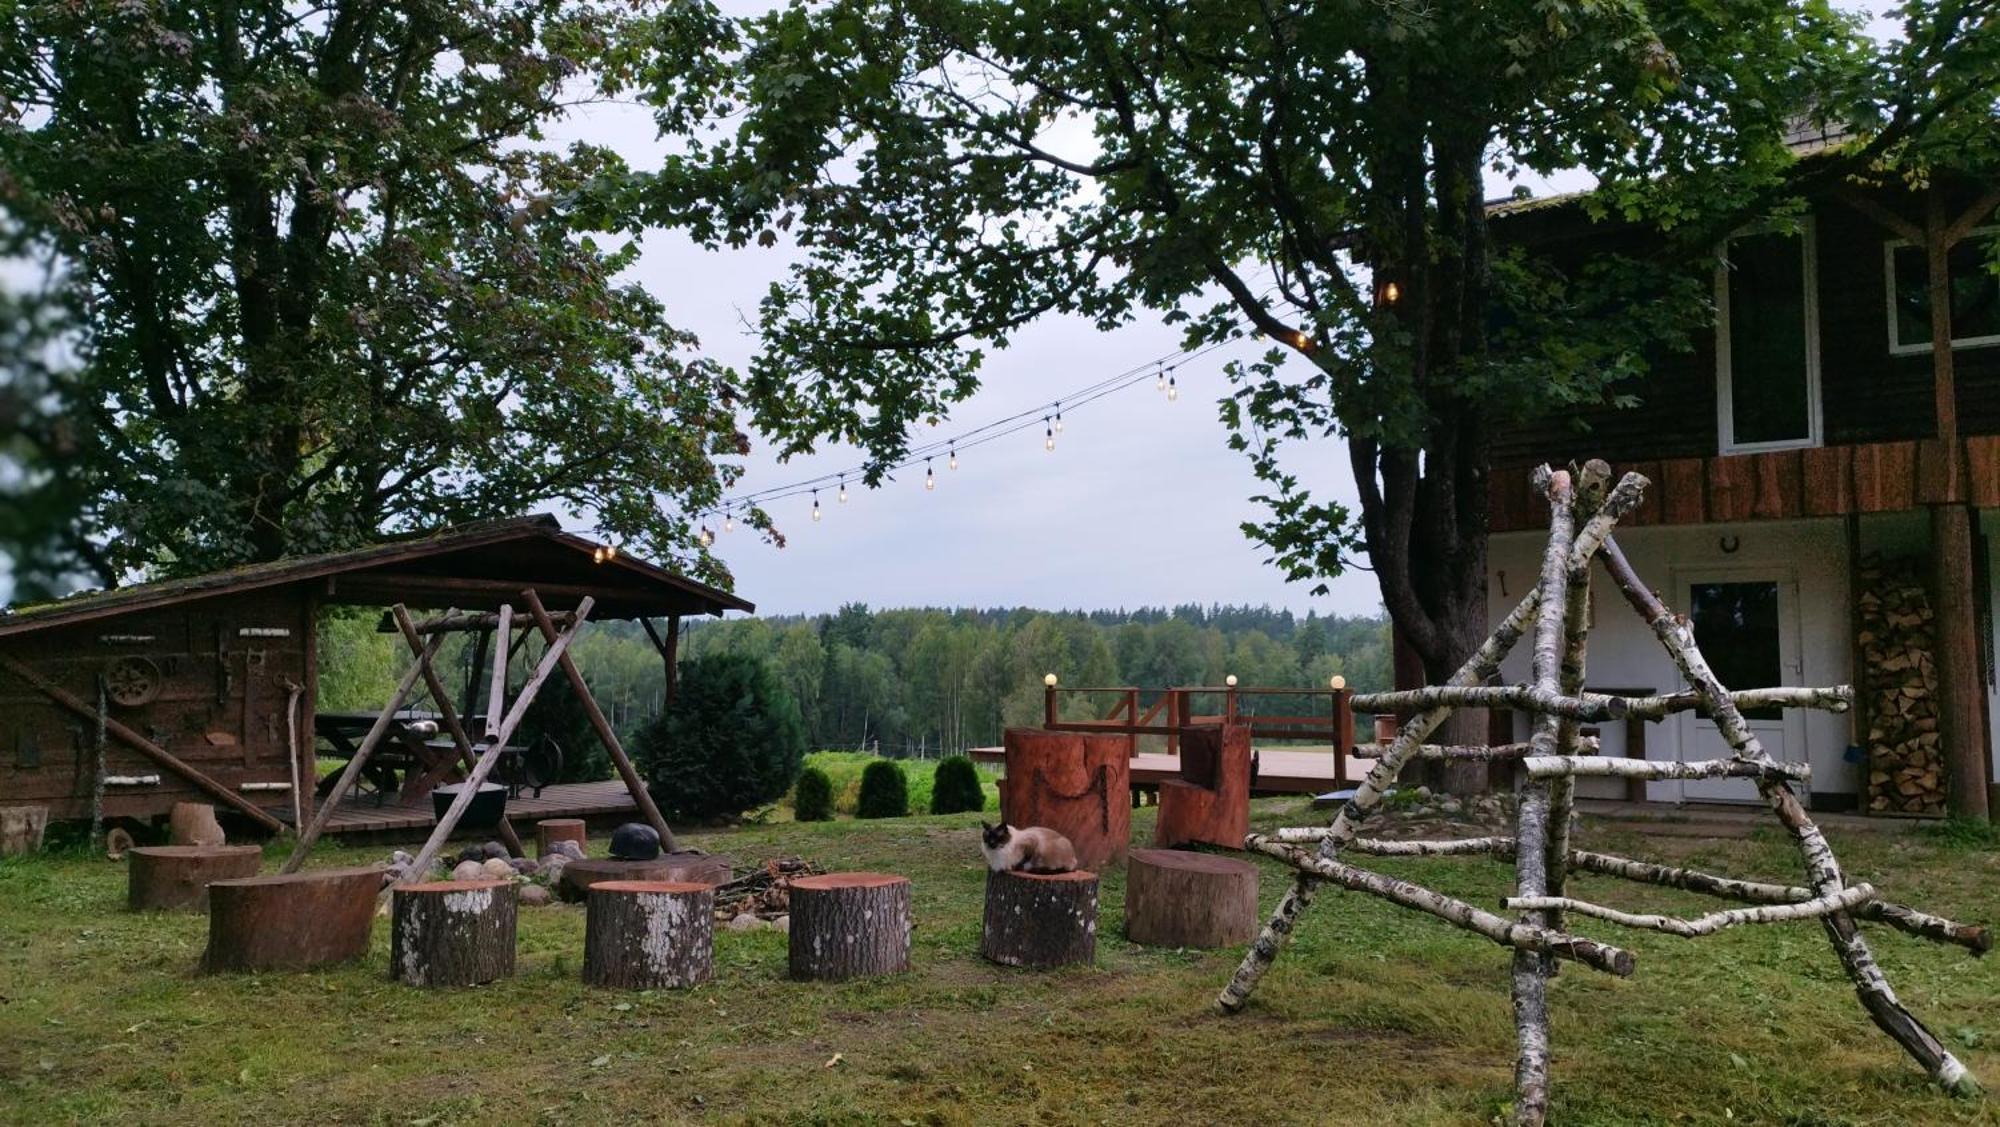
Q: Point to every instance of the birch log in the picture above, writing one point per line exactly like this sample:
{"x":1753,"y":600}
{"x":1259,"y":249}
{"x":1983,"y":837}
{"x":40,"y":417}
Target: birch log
{"x":1709,"y":924}
{"x":1571,"y":766}
{"x":1590,"y":488}
{"x":1487,"y":752}
{"x":1870,"y":984}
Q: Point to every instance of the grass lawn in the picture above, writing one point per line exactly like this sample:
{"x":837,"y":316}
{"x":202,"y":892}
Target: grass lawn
{"x":1374,"y":1016}
{"x":843,"y":769}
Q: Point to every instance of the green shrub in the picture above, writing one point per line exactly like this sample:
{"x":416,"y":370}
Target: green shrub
{"x":884,"y":791}
{"x":812,"y":798}
{"x":955,"y":787}
{"x":732,"y":740}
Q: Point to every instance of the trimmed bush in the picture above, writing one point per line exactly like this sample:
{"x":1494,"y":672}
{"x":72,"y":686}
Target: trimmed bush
{"x":812,"y":798}
{"x":731,"y":741}
{"x":884,"y":791}
{"x":955,"y":787}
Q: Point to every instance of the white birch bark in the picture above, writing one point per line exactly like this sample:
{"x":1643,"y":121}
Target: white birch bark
{"x":1841,"y":901}
{"x":1597,"y":766}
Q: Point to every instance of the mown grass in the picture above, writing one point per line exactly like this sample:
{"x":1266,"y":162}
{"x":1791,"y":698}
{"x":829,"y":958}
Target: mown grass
{"x":844,"y":769}
{"x":1374,"y":1016}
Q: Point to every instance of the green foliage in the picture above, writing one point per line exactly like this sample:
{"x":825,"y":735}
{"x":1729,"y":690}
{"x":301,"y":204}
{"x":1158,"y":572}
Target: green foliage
{"x":317,"y":277}
{"x":557,"y":714}
{"x":884,"y":792}
{"x":731,"y":740}
{"x":812,"y":797}
{"x":955,"y":787}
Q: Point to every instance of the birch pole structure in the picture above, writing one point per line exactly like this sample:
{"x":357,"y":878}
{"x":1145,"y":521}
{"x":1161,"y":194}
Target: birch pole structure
{"x":1554,"y":615}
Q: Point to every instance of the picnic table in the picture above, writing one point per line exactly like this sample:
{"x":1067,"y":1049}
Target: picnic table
{"x":409,"y":747}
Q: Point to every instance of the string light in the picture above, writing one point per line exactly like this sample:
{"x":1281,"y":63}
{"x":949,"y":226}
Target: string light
{"x":728,"y":520}
{"x":815,"y":505}
{"x":843,"y":490}
{"x":954,"y":457}
{"x":1161,"y":383}
{"x":1058,"y":416}
{"x":1048,"y":435}
{"x":707,"y":538}
{"x":930,"y":479}
{"x":1391,"y":292}
{"x":1173,"y":389}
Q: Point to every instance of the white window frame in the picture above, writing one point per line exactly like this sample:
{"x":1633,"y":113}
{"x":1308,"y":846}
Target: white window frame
{"x":1923,"y":348}
{"x":1725,"y":410}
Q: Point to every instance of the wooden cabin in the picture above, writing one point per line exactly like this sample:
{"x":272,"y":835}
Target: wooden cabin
{"x":204,"y":687}
{"x":1825,"y":485}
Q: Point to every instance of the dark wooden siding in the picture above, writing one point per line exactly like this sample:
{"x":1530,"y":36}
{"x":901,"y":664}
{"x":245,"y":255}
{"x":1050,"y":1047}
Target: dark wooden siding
{"x":221,"y":705}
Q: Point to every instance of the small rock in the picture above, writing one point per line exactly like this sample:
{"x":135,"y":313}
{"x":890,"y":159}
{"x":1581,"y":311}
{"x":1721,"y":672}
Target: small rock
{"x":567,"y":849}
{"x":745,"y":922}
{"x":526,"y":866}
{"x":1423,"y":794}
{"x":783,"y":923}
{"x":473,"y":853}
{"x":533,"y":895}
{"x":493,"y":850}
{"x":496,"y":869}
{"x":1451,"y":806}
{"x":469,"y":870}
{"x":398,"y":857}
{"x":552,"y":868}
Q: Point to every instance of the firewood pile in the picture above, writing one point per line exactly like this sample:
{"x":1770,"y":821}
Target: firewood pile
{"x":1905,"y":751}
{"x":764,"y":892}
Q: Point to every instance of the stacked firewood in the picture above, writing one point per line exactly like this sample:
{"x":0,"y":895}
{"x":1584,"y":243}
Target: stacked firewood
{"x":764,"y":892}
{"x":1905,"y":751}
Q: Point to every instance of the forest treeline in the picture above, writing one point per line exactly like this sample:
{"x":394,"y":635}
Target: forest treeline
{"x":929,"y":681}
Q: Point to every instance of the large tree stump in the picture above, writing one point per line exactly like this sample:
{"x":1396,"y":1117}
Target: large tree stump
{"x":679,"y":868}
{"x":848,"y":925}
{"x":552,"y":830}
{"x":1210,"y":802}
{"x":1177,"y":899}
{"x":1040,"y":920}
{"x":290,"y":921}
{"x":1075,"y":783}
{"x":193,"y":823}
{"x":452,"y":933}
{"x":176,"y":877}
{"x":21,"y":829}
{"x":649,"y":934}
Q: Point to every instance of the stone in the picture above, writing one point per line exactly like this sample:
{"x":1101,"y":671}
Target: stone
{"x":745,"y":922}
{"x":469,"y":870}
{"x":474,"y":853}
{"x":495,"y":850}
{"x":783,"y":924}
{"x":526,"y":866}
{"x":534,"y":896}
{"x":1423,"y":794}
{"x":497,"y":869}
{"x":568,"y":849}
{"x":552,"y":869}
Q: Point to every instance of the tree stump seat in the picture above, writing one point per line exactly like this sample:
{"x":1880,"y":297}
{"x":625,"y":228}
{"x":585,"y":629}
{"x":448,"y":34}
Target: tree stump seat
{"x":678,"y":868}
{"x":290,"y":921}
{"x":1040,"y":920}
{"x":649,"y":934}
{"x":1075,"y":783}
{"x":176,"y":877}
{"x":1210,"y":803}
{"x":452,"y":933}
{"x":549,"y":831}
{"x":1179,"y":899}
{"x":849,"y":925}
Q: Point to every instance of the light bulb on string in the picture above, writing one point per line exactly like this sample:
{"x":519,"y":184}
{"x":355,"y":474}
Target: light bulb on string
{"x":954,"y":458}
{"x":1048,"y":435}
{"x":930,"y":479}
{"x":707,"y":538}
{"x":1173,"y":389}
{"x":728,"y":521}
{"x":815,"y":505}
{"x":1058,"y":416}
{"x":843,"y":490}
{"x":1160,"y":384}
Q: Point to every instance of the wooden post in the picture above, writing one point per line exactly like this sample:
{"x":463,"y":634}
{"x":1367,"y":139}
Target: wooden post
{"x":649,"y":934}
{"x":672,"y":657}
{"x":496,"y":689}
{"x":141,"y":744}
{"x":1179,"y":899}
{"x":452,"y":933}
{"x":360,"y":759}
{"x":1961,"y":688}
{"x":633,"y":783}
{"x":176,"y":877}
{"x":848,"y":925}
{"x":446,"y":714}
{"x":1040,"y":920}
{"x":442,"y":832}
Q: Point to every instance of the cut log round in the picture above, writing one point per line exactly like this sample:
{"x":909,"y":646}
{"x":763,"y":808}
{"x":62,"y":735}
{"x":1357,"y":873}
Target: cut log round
{"x":193,"y":823}
{"x":649,"y":934}
{"x":21,"y":829}
{"x":176,"y":877}
{"x":848,"y":925}
{"x":1075,"y":783}
{"x":290,"y":921}
{"x":553,"y":830}
{"x":452,"y":933}
{"x":1040,"y":920}
{"x":1210,"y":802}
{"x":680,"y":868}
{"x":1177,"y":899}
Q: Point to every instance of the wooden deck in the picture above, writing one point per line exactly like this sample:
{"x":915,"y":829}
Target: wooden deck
{"x":607,"y":801}
{"x":1308,"y":770}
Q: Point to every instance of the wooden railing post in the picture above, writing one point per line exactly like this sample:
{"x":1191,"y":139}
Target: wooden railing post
{"x":1343,"y":734}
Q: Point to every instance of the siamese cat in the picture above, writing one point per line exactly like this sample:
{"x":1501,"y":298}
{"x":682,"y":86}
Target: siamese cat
{"x":1033,"y":849}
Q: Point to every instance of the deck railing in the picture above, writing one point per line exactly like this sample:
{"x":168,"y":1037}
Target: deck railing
{"x":1331,"y":722}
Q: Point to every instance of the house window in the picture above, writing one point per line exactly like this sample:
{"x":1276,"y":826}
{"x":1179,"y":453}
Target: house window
{"x":1975,"y":294}
{"x":1736,"y":626}
{"x":1767,"y":342}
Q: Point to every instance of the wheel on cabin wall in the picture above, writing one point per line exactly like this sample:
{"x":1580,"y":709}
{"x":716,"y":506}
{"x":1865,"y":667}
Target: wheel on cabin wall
{"x":132,"y":682}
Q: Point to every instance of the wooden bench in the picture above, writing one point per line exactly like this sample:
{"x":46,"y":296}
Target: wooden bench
{"x":290,"y":921}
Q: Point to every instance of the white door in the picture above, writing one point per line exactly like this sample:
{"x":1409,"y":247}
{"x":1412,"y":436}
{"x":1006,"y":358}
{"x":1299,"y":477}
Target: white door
{"x":1746,"y":623}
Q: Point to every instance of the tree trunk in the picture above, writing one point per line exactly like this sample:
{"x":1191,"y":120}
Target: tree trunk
{"x":1040,"y":920}
{"x":681,"y":868}
{"x":649,"y":935}
{"x":290,"y":921}
{"x":176,"y":877}
{"x":193,"y":823}
{"x":848,"y":925}
{"x":452,"y":933}
{"x":1177,"y":899}
{"x":553,"y":830}
{"x":1074,"y":783}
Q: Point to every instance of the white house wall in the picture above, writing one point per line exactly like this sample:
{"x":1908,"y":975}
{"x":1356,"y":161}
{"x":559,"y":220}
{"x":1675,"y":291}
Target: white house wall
{"x":1625,"y":655}
{"x":1989,"y":523}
